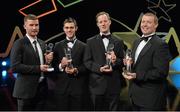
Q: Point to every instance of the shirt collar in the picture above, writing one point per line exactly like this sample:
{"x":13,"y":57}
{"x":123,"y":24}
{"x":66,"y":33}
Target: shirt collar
{"x":148,"y":35}
{"x":72,"y":38}
{"x":105,"y":33}
{"x":31,"y":38}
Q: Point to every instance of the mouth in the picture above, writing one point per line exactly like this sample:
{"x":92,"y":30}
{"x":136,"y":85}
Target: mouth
{"x":34,"y":31}
{"x":145,"y":29}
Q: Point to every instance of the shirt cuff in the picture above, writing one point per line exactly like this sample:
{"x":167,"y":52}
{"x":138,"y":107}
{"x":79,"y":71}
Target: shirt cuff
{"x":60,"y":68}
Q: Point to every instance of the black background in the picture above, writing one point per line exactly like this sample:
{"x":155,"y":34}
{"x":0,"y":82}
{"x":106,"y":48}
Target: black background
{"x":126,"y":11}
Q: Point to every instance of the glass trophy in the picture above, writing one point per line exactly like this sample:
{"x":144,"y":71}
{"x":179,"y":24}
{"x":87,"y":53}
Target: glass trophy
{"x":108,"y":56}
{"x":68,"y":52}
{"x":128,"y":58}
{"x":49,"y":48}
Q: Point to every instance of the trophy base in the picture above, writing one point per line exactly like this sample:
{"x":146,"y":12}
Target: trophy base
{"x":41,"y":78}
{"x":126,"y":71}
{"x":50,"y":69}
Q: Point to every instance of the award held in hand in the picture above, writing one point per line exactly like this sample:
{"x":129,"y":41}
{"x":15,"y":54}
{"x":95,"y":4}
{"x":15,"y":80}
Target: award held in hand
{"x":49,"y":48}
{"x":128,"y":58}
{"x":108,"y":56}
{"x":67,"y":52}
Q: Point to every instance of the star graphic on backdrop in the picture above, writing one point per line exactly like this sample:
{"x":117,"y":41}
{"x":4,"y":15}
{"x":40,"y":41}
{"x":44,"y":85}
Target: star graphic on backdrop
{"x":43,"y":3}
{"x":161,"y":9}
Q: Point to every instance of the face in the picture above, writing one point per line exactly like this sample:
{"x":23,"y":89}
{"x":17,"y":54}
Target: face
{"x":70,"y":30}
{"x":103,"y":23}
{"x":148,"y":25}
{"x":32,"y":27}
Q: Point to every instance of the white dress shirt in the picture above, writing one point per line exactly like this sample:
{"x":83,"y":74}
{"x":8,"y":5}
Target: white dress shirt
{"x":141,"y":46}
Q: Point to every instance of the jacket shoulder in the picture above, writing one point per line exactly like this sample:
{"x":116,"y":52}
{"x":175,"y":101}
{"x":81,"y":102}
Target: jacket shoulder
{"x":81,"y":42}
{"x":20,"y":41}
{"x":93,"y":38}
{"x":158,"y":40}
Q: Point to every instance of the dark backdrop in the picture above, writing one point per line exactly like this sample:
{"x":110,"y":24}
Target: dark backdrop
{"x":125,"y":14}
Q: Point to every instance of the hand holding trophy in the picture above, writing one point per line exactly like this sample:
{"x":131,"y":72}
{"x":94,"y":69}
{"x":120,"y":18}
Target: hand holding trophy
{"x":128,"y":57}
{"x":128,"y":62}
{"x":67,"y":52}
{"x":49,"y":49}
{"x":127,"y":70}
{"x":108,"y":55}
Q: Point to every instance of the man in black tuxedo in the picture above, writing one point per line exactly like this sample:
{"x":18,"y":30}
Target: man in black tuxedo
{"x":105,"y":66}
{"x":70,"y":78}
{"x":151,"y":57}
{"x":27,"y":60}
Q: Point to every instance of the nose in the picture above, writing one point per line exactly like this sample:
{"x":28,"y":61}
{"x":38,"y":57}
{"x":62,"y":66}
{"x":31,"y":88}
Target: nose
{"x":34,"y":27}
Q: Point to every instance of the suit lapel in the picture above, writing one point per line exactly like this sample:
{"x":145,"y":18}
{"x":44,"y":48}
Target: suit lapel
{"x":42,"y":46}
{"x":144,"y":51}
{"x":135,"y":48}
{"x":64,"y":45}
{"x":111,"y":40}
{"x":75,"y":48}
{"x":30,"y":47}
{"x":100,"y":43}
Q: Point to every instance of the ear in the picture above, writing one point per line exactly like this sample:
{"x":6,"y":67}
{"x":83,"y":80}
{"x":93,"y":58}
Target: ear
{"x":24,"y":26}
{"x":63,"y":28}
{"x":156,"y":25}
{"x":76,"y":28}
{"x":110,"y":22}
{"x":97,"y":24}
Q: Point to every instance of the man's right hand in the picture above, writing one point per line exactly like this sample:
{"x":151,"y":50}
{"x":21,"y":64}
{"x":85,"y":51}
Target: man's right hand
{"x":106,"y":69}
{"x":44,"y":68}
{"x":64,"y":62}
{"x":129,"y":76}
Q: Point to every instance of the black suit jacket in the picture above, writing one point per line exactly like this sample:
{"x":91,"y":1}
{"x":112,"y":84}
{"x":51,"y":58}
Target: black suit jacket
{"x":65,"y":82}
{"x":25,"y":63}
{"x":151,"y":67}
{"x":100,"y":83}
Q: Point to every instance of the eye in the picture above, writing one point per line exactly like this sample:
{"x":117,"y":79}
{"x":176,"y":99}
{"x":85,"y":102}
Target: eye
{"x":69,"y":27}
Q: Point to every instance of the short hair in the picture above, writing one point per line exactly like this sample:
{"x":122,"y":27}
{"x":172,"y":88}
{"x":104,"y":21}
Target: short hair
{"x":30,"y":17}
{"x":102,"y":13}
{"x":70,"y":20}
{"x":152,"y":14}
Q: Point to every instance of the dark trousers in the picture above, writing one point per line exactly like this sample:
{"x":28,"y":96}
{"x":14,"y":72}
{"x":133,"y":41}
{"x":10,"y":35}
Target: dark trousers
{"x":37,"y":102}
{"x":105,"y":102}
{"x":67,"y":102}
{"x":136,"y":107}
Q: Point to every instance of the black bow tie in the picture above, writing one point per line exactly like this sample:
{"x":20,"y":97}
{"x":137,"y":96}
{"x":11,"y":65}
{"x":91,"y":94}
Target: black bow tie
{"x":106,"y":36}
{"x":145,"y":38}
{"x":72,"y":41}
